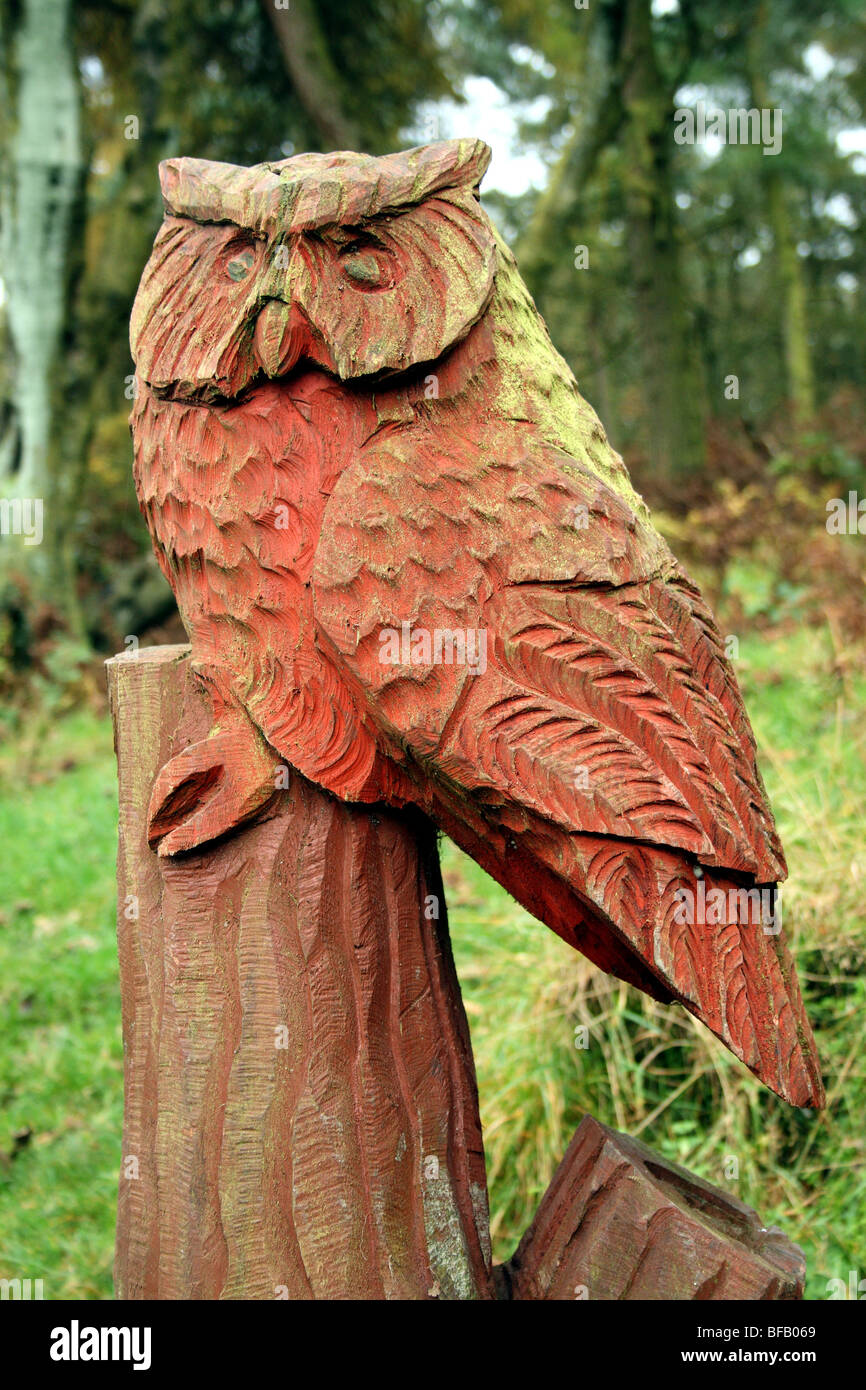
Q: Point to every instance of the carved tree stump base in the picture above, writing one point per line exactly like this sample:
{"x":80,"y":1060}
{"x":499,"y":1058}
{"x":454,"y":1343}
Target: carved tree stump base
{"x":301,"y":1114}
{"x":619,"y":1222}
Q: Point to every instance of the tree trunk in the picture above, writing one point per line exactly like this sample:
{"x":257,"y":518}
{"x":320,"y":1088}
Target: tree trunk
{"x":789,"y":270}
{"x":301,"y":1114}
{"x":40,"y":181}
{"x":792,"y":287}
{"x":671,"y":372}
{"x":311,"y":71}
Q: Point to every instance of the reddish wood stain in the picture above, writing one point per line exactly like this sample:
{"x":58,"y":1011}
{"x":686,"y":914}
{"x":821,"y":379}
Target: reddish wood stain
{"x":301,"y":1114}
{"x":350,"y":423}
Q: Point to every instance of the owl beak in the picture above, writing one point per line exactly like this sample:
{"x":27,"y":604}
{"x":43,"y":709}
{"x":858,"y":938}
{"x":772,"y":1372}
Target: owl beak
{"x":278,"y":338}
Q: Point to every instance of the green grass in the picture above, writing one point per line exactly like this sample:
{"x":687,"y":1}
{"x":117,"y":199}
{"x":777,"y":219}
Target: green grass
{"x":650,"y":1071}
{"x":61,"y":1074}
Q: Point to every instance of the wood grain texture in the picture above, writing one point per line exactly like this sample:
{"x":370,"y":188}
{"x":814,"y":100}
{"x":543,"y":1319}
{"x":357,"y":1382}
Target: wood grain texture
{"x":301,"y":1114}
{"x":351,"y":425}
{"x":620,"y":1223}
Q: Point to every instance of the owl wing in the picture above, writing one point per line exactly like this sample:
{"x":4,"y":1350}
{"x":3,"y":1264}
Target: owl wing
{"x":589,"y":745}
{"x":594,"y":690}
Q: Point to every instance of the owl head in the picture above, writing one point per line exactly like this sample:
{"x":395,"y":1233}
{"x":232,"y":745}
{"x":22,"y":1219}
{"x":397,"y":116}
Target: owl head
{"x":362,"y":266}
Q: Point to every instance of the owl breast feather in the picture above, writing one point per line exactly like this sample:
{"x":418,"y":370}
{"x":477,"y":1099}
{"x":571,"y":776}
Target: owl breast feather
{"x":234,"y":498}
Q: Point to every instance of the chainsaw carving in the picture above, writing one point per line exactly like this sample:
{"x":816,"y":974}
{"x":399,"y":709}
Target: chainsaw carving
{"x":412,"y":568}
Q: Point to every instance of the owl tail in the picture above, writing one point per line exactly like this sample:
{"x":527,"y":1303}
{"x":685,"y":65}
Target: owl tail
{"x":703,"y":937}
{"x":714,"y":942}
{"x":722,"y":947}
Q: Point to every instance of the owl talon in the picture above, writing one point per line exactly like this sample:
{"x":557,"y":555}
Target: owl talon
{"x":209,"y":789}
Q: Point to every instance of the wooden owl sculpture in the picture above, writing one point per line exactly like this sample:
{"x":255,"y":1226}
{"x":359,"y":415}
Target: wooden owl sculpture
{"x":412,"y":568}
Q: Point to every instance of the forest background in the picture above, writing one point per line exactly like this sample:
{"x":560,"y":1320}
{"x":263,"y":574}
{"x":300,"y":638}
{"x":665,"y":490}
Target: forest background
{"x":711,"y":299}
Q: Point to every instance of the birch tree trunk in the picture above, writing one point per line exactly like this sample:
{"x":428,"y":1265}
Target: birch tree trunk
{"x":40,"y":180}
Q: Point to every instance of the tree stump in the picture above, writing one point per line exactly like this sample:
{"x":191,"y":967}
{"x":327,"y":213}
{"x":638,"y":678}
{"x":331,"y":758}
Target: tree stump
{"x":301,"y":1112}
{"x":620,"y":1223}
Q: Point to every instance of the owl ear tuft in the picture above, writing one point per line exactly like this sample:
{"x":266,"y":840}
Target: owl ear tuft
{"x":195,"y":188}
{"x":206,"y":190}
{"x":447,"y":164}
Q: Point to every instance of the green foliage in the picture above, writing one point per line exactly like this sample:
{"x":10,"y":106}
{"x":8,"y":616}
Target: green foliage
{"x":744,"y":233}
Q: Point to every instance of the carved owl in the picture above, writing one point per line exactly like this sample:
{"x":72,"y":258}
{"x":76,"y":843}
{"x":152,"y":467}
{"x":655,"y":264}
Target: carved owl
{"x":412,"y":567}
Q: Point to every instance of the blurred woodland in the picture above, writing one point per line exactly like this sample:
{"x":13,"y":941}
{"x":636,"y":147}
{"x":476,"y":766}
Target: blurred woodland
{"x":665,"y":271}
{"x":712,"y":301}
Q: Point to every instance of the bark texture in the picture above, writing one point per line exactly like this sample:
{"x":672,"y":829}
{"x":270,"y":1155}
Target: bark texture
{"x":301,"y":1115}
{"x":620,"y":1223}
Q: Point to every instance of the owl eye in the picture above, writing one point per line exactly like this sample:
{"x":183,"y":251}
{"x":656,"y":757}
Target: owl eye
{"x":368,"y":265}
{"x":240,"y":265}
{"x":364,"y":267}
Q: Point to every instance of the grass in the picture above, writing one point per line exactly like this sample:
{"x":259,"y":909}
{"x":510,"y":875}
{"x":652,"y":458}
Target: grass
{"x":651,"y":1071}
{"x":60,"y":1053}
